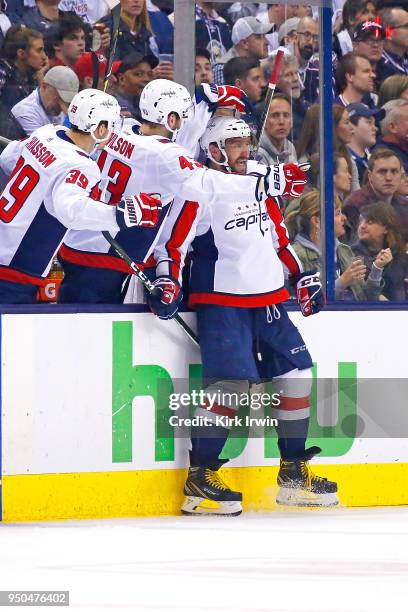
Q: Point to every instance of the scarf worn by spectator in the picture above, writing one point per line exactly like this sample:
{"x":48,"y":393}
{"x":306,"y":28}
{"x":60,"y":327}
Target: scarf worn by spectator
{"x":216,"y":45}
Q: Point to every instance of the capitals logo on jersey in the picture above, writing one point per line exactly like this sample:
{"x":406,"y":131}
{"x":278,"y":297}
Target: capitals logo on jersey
{"x":248,"y":217}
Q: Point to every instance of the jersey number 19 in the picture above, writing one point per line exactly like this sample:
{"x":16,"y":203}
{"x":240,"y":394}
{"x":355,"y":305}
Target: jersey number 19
{"x":21,"y":183}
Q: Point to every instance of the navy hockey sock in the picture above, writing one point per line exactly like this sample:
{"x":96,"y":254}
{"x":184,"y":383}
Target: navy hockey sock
{"x":292,"y":437}
{"x":207,"y":444}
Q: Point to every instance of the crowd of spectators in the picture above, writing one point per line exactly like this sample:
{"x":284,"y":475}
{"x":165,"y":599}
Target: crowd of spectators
{"x":50,"y":49}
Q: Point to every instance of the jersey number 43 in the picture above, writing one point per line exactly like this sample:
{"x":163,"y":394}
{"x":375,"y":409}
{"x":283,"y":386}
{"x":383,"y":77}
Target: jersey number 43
{"x":119,"y":173}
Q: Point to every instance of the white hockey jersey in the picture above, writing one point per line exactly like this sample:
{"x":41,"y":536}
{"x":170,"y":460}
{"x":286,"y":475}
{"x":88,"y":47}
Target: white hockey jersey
{"x":133,"y":163}
{"x":48,"y":191}
{"x":237,"y":251}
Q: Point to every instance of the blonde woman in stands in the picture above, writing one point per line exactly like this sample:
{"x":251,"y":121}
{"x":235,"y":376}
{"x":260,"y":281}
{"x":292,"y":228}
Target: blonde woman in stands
{"x":350,"y":282}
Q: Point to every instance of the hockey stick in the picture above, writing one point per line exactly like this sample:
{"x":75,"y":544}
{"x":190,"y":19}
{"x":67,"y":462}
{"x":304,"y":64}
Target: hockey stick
{"x":115,"y":8}
{"x":146,"y":282}
{"x":268,"y":100}
{"x":4,"y":141}
{"x":269,"y":95}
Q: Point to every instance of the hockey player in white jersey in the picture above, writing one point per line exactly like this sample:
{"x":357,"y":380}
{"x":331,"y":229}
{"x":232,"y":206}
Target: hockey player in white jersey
{"x":48,"y":191}
{"x":237,"y":252}
{"x":148,"y":158}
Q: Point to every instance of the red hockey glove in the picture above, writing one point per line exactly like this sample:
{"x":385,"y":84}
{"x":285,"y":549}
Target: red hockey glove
{"x":296,"y":180}
{"x":225,"y":96}
{"x":138,"y":211}
{"x":228,"y":96}
{"x":309,"y":292}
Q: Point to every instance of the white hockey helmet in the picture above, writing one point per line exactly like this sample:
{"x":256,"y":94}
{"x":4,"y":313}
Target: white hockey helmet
{"x":89,"y":107}
{"x":218,"y":130}
{"x":161,"y":97}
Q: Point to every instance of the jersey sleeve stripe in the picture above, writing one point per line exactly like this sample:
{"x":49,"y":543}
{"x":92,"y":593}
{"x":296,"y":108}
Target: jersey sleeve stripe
{"x":99,"y":260}
{"x":288,"y":258}
{"x":14,"y":276}
{"x":285,"y":251}
{"x":277,"y":219}
{"x":180,"y":231}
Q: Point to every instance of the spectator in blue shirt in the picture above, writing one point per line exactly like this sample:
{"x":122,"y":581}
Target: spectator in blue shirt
{"x":364,"y":134}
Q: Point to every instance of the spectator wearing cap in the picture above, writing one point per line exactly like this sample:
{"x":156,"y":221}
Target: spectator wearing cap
{"x":364,"y":134}
{"x":382,"y":181}
{"x":49,"y":102}
{"x":394,"y":87}
{"x":394,"y":129}
{"x":354,"y":12}
{"x":132,"y":74}
{"x":395,"y":55}
{"x":141,"y":30}
{"x":275,"y":148}
{"x":203,"y":68}
{"x":355,"y":80}
{"x":90,"y":69}
{"x":368,"y":42}
{"x":66,"y":43}
{"x":248,"y":36}
{"x":287,"y":35}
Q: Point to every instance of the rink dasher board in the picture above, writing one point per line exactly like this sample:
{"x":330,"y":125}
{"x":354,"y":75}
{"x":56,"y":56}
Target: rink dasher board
{"x":60,"y":382}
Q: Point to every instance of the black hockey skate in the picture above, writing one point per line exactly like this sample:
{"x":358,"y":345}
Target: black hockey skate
{"x":298,"y":486}
{"x":207,"y":494}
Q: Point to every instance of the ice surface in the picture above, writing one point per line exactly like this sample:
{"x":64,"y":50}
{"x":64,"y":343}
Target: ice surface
{"x":337,"y":560}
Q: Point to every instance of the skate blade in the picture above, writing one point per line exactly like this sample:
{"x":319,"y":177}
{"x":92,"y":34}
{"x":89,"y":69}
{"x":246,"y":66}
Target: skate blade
{"x":299,"y":497}
{"x":204,"y":507}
